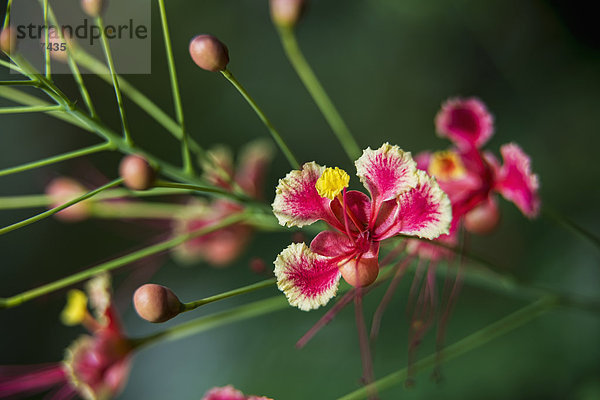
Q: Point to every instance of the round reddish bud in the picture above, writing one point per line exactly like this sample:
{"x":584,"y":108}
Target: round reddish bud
{"x":483,"y":219}
{"x":156,"y":303}
{"x":8,"y":40}
{"x":209,"y":53}
{"x":362,"y":273}
{"x":286,"y":13}
{"x":136,"y":172}
{"x":93,"y":8}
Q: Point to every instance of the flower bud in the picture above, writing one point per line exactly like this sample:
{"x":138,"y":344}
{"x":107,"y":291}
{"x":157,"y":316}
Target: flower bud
{"x":136,"y":172}
{"x":93,"y":8}
{"x":156,"y":303}
{"x":209,"y":53}
{"x":8,"y":40}
{"x":59,"y":46}
{"x":483,"y":219}
{"x":362,"y":273}
{"x":286,"y":13}
{"x":62,"y":190}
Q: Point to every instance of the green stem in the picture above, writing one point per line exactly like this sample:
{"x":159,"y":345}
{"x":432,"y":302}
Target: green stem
{"x":54,"y":210}
{"x":202,"y":324}
{"x":19,"y":83}
{"x":18,"y":299}
{"x":73,"y":66}
{"x":55,"y":159}
{"x":471,"y":342}
{"x":9,"y":65}
{"x":115,"y":81}
{"x":276,"y":136}
{"x":201,"y":188}
{"x":46,"y":44}
{"x":22,"y":110}
{"x":137,"y":209}
{"x":7,"y":16}
{"x":314,"y":87}
{"x":187,"y":160}
{"x":26,"y":99}
{"x":243,"y":290}
{"x":571,"y":226}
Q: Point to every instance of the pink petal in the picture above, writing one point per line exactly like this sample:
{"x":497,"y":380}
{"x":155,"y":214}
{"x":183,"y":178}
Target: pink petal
{"x":218,"y":168}
{"x":466,"y":122}
{"x":424,"y":211}
{"x":332,"y":244}
{"x":30,"y":378}
{"x":224,"y":393}
{"x":386,"y":172}
{"x":358,"y":204}
{"x":516,"y":182}
{"x":423,"y":159}
{"x":308,"y":280}
{"x":297,"y":202}
{"x":252,"y":167}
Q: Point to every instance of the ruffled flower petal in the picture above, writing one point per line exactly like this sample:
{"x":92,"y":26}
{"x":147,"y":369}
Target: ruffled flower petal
{"x":217,"y":168}
{"x":224,"y":393}
{"x":297,"y":202}
{"x":386,"y":172}
{"x":424,"y":211}
{"x":308,"y":280}
{"x":516,"y":182}
{"x":466,"y":122}
{"x":331,"y":244}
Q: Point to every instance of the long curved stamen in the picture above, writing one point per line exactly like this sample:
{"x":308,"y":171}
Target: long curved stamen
{"x":345,"y":210}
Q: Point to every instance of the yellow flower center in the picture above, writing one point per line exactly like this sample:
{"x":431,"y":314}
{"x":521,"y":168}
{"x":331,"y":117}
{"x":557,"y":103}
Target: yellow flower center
{"x":446,"y":165}
{"x":332,"y":182}
{"x":76,"y":308}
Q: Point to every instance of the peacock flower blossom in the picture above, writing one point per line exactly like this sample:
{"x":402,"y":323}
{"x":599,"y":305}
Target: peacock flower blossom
{"x":96,"y":365}
{"x":229,"y":393}
{"x":466,"y":122}
{"x":403,"y":200}
{"x":221,"y":247}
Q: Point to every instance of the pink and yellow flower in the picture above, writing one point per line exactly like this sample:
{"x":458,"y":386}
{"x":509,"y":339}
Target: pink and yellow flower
{"x":403,"y":200}
{"x":471,"y":177}
{"x":223,"y":246}
{"x":96,"y":366}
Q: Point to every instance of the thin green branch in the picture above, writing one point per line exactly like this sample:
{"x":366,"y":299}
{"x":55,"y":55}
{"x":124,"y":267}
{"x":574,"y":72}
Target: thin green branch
{"x":22,"y":110}
{"x":46,"y":41}
{"x":202,"y":324}
{"x":185,"y":151}
{"x":54,"y":210}
{"x":201,"y":188}
{"x":73,"y":66}
{"x":20,"y":97}
{"x":56,"y":159}
{"x":136,"y":209}
{"x":19,"y":83}
{"x":570,"y":225}
{"x":115,"y":80}
{"x":18,"y":299}
{"x":471,"y":342}
{"x":7,"y":16}
{"x":225,"y":295}
{"x":276,"y":136}
{"x":314,"y":87}
{"x":9,"y":65}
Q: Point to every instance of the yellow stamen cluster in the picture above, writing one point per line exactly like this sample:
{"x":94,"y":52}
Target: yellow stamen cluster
{"x":76,"y":308}
{"x":332,"y":182}
{"x":446,"y":165}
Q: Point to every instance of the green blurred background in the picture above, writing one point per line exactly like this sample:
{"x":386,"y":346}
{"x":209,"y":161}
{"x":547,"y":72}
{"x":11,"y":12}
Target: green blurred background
{"x":388,"y":65}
